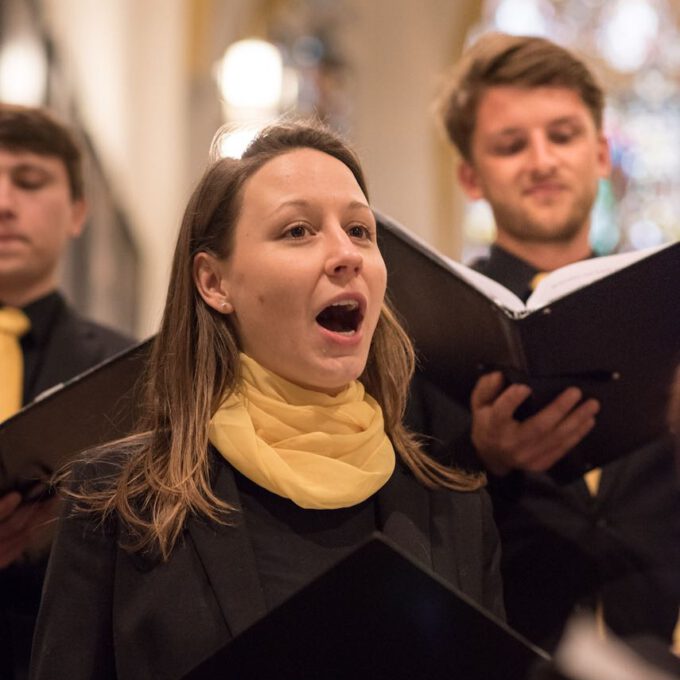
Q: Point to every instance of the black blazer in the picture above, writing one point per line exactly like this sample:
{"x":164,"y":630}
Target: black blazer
{"x":72,"y":345}
{"x":109,"y":614}
{"x":563,"y":549}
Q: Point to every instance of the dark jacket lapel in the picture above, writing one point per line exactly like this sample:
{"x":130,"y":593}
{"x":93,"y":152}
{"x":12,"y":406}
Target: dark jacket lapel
{"x":228,"y":558}
{"x":73,"y":346}
{"x":404,"y":515}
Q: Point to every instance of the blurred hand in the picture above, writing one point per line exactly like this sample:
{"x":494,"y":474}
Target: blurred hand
{"x":19,"y":523}
{"x":534,"y":444}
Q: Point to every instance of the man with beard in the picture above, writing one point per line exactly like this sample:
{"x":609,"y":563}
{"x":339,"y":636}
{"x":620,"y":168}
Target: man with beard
{"x":526,"y":117}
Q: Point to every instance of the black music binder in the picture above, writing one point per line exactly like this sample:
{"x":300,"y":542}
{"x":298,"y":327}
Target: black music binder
{"x":376,"y":615}
{"x":616,"y":337}
{"x":90,"y":409}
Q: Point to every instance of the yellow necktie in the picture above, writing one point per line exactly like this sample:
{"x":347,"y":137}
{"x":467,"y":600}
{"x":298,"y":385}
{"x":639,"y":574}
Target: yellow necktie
{"x":13,"y":324}
{"x":592,"y":480}
{"x":537,"y":278}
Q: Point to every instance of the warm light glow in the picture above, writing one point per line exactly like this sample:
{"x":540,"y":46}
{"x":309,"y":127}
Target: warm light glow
{"x":232,"y":143}
{"x":520,"y":17}
{"x":250,"y":75}
{"x":628,"y":34}
{"x":479,"y":224}
{"x":23,"y":72}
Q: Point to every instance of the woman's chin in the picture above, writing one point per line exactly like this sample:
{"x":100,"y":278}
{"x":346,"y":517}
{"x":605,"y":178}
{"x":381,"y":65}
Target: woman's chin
{"x":333,"y":375}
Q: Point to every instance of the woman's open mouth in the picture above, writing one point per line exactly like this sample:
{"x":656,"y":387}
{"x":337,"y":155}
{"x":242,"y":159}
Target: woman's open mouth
{"x":342,"y":317}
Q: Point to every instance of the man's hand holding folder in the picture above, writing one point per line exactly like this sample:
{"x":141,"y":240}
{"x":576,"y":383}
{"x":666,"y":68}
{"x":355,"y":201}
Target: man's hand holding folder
{"x":535,"y":444}
{"x":609,"y":326}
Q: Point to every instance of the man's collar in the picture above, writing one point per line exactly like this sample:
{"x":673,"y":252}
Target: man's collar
{"x":509,"y":270}
{"x":502,"y":258}
{"x":512,"y":271}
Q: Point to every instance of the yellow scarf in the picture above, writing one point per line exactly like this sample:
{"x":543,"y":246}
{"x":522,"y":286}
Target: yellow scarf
{"x":319,"y":451}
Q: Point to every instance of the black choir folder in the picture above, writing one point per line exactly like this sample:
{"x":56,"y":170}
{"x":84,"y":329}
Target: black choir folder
{"x":609,"y":325}
{"x":376,"y":615}
{"x":90,"y":409}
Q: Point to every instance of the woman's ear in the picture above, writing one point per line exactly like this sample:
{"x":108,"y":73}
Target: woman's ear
{"x":210,"y":281}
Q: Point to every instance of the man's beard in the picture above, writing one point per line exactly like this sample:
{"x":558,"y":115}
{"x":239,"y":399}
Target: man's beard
{"x":523,"y":227}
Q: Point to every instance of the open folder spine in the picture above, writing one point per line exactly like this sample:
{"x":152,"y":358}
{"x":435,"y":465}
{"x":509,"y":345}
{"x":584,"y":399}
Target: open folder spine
{"x":512,"y":333}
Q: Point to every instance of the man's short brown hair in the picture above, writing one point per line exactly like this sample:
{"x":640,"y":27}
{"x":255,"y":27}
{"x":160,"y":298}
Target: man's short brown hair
{"x":24,"y":128}
{"x":498,"y":59}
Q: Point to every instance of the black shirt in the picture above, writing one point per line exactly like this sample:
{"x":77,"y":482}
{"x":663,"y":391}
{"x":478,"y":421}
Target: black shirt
{"x":42,"y":314}
{"x":293,"y":545}
{"x":514,"y":273}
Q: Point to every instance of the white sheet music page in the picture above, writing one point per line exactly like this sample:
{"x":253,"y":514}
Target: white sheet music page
{"x":556,"y":284}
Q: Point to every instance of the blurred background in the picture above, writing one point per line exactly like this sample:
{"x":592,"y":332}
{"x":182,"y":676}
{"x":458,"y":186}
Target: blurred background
{"x":147,"y":83}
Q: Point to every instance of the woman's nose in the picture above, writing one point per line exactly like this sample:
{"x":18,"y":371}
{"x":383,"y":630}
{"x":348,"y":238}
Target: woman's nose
{"x":344,"y":256}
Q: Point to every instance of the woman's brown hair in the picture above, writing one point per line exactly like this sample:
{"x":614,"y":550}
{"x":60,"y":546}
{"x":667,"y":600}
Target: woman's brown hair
{"x":164,"y":474}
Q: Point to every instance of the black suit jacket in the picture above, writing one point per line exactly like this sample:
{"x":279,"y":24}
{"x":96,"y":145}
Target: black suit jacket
{"x":109,"y":614}
{"x":71,"y":345}
{"x":563,"y":549}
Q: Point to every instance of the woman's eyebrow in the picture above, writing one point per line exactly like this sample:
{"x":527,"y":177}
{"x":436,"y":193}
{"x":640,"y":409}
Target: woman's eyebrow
{"x":304,"y":203}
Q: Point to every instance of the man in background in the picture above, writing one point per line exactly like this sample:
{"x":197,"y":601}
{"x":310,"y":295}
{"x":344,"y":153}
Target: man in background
{"x":43,"y":342}
{"x":526,"y":118}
